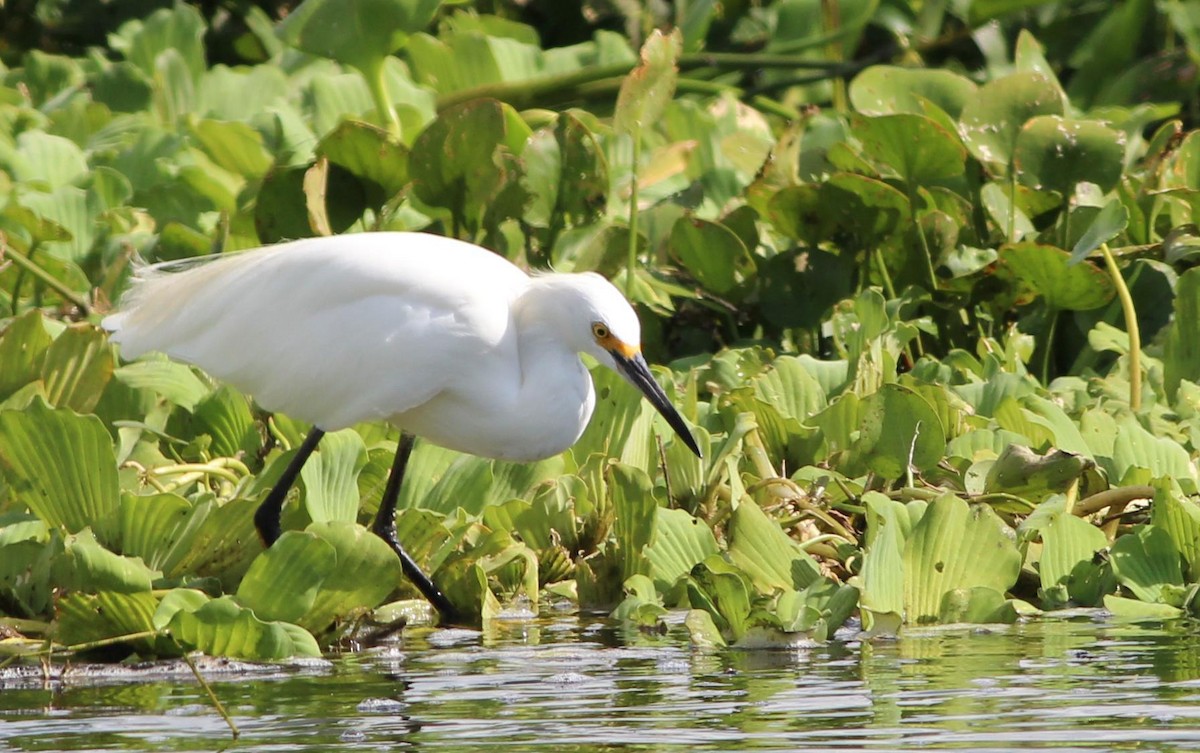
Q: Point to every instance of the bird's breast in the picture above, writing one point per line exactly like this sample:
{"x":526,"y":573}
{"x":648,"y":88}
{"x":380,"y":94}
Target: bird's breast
{"x":538,"y":420}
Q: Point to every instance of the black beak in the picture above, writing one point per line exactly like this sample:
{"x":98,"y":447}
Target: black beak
{"x":637,"y":371}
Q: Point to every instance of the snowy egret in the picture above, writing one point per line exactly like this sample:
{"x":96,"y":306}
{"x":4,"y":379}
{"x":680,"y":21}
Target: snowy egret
{"x":442,"y":338}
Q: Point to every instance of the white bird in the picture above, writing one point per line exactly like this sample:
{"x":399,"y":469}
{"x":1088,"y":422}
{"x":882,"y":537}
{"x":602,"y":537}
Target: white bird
{"x":442,"y":338}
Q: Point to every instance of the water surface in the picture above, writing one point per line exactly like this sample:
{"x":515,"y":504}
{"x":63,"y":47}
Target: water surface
{"x":572,"y":684}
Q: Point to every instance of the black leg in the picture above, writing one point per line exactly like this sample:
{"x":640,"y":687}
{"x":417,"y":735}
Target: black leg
{"x":266,"y":517}
{"x":385,"y":528}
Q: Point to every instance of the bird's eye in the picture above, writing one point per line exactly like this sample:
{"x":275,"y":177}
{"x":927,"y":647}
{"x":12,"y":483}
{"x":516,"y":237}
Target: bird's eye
{"x":599,"y":331}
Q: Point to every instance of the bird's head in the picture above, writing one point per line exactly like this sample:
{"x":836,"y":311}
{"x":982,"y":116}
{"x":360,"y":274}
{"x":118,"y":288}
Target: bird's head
{"x":597,"y":320}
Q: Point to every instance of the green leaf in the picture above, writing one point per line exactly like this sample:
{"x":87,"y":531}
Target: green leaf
{"x":882,"y":575}
{"x":233,"y":146}
{"x":889,"y":89}
{"x":724,"y":592}
{"x":1136,"y":448}
{"x":955,"y":546}
{"x":465,"y":162}
{"x":85,"y":618}
{"x":366,"y":572}
{"x":1069,"y":549}
{"x":359,"y":33}
{"x":174,"y":381}
{"x":178,"y":31}
{"x":1108,"y":224}
{"x":702,"y":630}
{"x":330,"y":477}
{"x":767,"y":555}
{"x":1054,"y":153}
{"x":23,"y":348}
{"x":51,"y":161}
{"x":1146,"y":562}
{"x":369,"y":153}
{"x":1048,"y":271}
{"x":913,"y":148}
{"x":680,"y":542}
{"x":1140,"y":611}
{"x":1181,"y":350}
{"x":711,"y":253}
{"x":898,"y":429}
{"x":635,"y":507}
{"x":87,"y":566}
{"x":978,"y":605}
{"x":1180,"y":519}
{"x":225,"y":416}
{"x":225,"y":542}
{"x":158,"y":528}
{"x":993,"y":118}
{"x":282,"y":582}
{"x":648,"y":88}
{"x":59,"y":464}
{"x":77,"y":367}
{"x":222,"y":628}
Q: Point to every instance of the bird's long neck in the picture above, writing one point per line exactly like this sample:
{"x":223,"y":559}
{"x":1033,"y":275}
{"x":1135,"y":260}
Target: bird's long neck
{"x":555,"y":390}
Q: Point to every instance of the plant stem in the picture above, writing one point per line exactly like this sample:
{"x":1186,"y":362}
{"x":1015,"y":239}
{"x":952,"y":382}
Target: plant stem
{"x":831,"y":18}
{"x":28,"y":266}
{"x":212,"y":697}
{"x":379,"y":93}
{"x":1131,"y":326}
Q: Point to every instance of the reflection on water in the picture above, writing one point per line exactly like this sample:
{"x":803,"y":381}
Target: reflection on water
{"x":571,"y":685}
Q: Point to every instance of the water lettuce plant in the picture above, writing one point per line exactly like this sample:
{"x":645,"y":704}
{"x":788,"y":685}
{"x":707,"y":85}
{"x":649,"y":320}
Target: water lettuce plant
{"x":940,"y":335}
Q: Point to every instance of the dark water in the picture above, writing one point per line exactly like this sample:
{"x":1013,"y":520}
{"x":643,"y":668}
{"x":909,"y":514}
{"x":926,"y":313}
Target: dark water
{"x":571,"y":685}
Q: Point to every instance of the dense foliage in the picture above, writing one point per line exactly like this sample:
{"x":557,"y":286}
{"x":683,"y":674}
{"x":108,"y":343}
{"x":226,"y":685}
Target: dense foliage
{"x":920,"y":271}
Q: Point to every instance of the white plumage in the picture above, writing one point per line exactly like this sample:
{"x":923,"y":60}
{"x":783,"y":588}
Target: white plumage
{"x":447,"y":340}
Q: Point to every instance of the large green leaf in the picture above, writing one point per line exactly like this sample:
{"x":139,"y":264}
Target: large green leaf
{"x":1180,"y":519}
{"x":86,"y":566}
{"x":330,"y":477}
{"x":466,"y":163}
{"x":159,"y":528}
{"x":222,"y":628}
{"x":882,"y":575}
{"x":1069,"y":565}
{"x":767,"y":555}
{"x":898,"y":430}
{"x":913,"y":148}
{"x":1181,"y":351}
{"x":1049,"y":273}
{"x":680,"y":542}
{"x":635,"y":509}
{"x":174,"y":381}
{"x":366,"y":572}
{"x":1055,"y":153}
{"x":84,"y":618}
{"x":59,"y":464}
{"x":77,"y":367}
{"x":955,"y":546}
{"x":1146,"y":562}
{"x":23,"y":347}
{"x":993,"y":118}
{"x":888,"y":90}
{"x":711,"y":252}
{"x":282,"y":582}
{"x":360,"y":33}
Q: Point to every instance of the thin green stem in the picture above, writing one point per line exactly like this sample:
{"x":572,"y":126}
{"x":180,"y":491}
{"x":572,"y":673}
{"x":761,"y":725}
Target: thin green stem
{"x":1131,"y":326}
{"x":45,"y":277}
{"x":831,"y":18}
{"x":213,"y":697}
{"x":383,"y":100}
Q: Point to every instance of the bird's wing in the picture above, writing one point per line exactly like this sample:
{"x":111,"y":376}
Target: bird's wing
{"x":330,"y":330}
